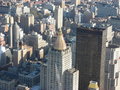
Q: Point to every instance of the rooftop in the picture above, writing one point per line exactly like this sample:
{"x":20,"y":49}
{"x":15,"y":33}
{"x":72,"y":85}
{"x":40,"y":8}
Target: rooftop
{"x":7,"y":76}
{"x":93,"y":85}
{"x":113,"y":46}
{"x":30,"y":74}
{"x":72,"y":70}
{"x":100,"y":27}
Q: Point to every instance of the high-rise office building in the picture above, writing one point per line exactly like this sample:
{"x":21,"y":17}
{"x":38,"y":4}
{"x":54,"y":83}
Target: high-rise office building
{"x":90,"y":56}
{"x":59,"y":60}
{"x":58,"y":15}
{"x":10,"y":36}
{"x":27,"y":22}
{"x":15,"y":35}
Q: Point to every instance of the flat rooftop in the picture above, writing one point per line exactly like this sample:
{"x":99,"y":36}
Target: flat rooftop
{"x":100,"y":27}
{"x":7,"y":76}
{"x":30,"y":74}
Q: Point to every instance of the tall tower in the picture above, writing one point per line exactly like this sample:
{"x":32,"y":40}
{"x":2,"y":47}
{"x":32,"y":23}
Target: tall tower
{"x":59,"y":60}
{"x":15,"y":34}
{"x":59,"y":17}
{"x":27,"y":22}
{"x":16,"y":30}
{"x":11,"y":36}
{"x":90,"y":56}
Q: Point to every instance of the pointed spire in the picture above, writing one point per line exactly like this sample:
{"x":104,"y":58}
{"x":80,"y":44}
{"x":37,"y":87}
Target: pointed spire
{"x":60,"y":43}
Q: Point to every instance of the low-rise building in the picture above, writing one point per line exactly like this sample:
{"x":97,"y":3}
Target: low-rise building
{"x":7,"y":81}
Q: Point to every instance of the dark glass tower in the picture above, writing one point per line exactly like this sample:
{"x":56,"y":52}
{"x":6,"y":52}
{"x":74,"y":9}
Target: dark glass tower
{"x":90,"y":56}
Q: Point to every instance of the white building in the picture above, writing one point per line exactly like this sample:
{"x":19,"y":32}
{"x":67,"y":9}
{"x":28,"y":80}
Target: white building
{"x":25,"y":9}
{"x":59,"y":17}
{"x":8,"y":19}
{"x":72,"y":79}
{"x":113,"y":67}
{"x":59,"y":60}
{"x":60,"y":74}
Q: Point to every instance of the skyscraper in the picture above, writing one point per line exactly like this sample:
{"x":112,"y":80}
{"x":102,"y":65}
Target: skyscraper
{"x":15,"y":35}
{"x":58,"y":15}
{"x":16,"y":30}
{"x":59,"y":60}
{"x":90,"y":56}
{"x":11,"y":36}
{"x":27,"y":22}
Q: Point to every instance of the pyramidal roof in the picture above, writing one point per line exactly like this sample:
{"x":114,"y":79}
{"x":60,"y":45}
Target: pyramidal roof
{"x":60,"y":43}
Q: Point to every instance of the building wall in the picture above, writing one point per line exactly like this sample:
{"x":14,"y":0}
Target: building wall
{"x":90,"y":56}
{"x":43,"y":77}
{"x":58,"y":63}
{"x":29,"y":80}
{"x":71,"y":79}
{"x":7,"y":85}
{"x":113,"y":68}
{"x":59,"y":17}
{"x":27,"y":22}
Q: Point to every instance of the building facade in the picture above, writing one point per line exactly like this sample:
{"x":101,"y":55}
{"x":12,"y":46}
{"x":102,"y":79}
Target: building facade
{"x":59,"y":17}
{"x":90,"y":56}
